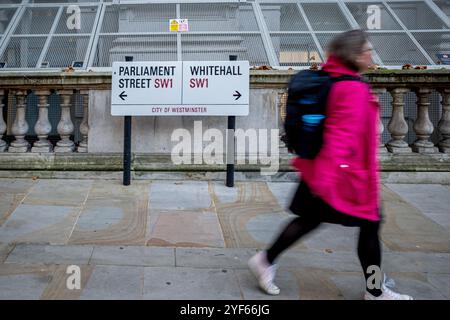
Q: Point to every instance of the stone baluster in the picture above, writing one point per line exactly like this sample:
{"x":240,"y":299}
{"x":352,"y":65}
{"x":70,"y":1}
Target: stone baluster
{"x":20,"y":126}
{"x":423,"y":127}
{"x":65,"y":125}
{"x":84,"y":126}
{"x":42,"y":126}
{"x":397,"y":126}
{"x":378,"y":92}
{"x":3,"y":144}
{"x":444,"y":122}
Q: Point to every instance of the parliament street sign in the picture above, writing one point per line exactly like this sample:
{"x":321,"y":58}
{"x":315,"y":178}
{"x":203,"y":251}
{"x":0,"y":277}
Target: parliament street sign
{"x":180,"y":88}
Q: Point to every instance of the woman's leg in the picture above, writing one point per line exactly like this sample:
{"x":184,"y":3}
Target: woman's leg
{"x":262,"y":265}
{"x":369,"y":251}
{"x":293,"y":232}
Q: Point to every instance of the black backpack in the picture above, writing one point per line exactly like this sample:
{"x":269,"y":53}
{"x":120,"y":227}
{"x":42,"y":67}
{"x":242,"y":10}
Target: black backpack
{"x":307,"y":95}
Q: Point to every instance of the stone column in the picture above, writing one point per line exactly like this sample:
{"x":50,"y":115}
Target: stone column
{"x":84,"y":126}
{"x":444,"y":122}
{"x":20,"y":126}
{"x":378,"y":92}
{"x":3,"y":145}
{"x":397,"y":127}
{"x":423,"y":126}
{"x":65,"y":125}
{"x":42,"y":126}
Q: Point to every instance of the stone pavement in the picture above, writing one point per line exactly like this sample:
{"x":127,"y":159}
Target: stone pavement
{"x":192,"y":239}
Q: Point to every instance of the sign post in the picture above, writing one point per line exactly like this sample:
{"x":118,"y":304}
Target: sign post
{"x":179,"y":88}
{"x":127,"y":151}
{"x":230,"y":157}
{"x":127,"y":144}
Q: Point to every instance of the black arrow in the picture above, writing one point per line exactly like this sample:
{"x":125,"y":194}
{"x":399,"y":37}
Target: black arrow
{"x":237,"y":95}
{"x":122,"y":95}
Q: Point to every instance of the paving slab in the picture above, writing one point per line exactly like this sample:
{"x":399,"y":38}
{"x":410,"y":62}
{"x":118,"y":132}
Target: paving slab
{"x":429,"y":198}
{"x":441,"y":282}
{"x":253,"y":201}
{"x":133,"y":256}
{"x":190,"y":284}
{"x":415,"y":285}
{"x":22,"y":287}
{"x":57,"y":289}
{"x":50,"y":254}
{"x":114,"y":283}
{"x":9,"y":203}
{"x":117,"y":221}
{"x":337,"y":261}
{"x":285,"y":280}
{"x":58,"y":192}
{"x":265,"y":228}
{"x":283,"y":192}
{"x":182,"y":228}
{"x":316,"y":284}
{"x":351,"y":285}
{"x":179,"y":195}
{"x":407,"y":229}
{"x":5,"y":249}
{"x":39,"y":224}
{"x":213,"y":258}
{"x":23,"y":282}
{"x":114,"y":189}
{"x":16,"y":185}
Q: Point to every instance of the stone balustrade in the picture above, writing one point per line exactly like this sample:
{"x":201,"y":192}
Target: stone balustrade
{"x":65,"y":128}
{"x":396,"y":83}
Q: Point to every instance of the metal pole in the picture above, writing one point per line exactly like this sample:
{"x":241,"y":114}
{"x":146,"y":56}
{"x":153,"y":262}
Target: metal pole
{"x":127,"y":144}
{"x":230,"y":151}
{"x":127,"y":151}
{"x":231,"y":144}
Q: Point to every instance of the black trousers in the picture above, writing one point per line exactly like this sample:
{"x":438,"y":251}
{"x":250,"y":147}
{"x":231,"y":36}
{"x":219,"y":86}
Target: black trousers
{"x":312,"y":211}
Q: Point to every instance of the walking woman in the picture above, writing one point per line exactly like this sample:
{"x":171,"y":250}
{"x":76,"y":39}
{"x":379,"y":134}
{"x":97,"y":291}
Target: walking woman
{"x":340,"y":185}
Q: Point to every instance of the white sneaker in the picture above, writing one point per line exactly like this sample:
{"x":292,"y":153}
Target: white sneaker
{"x":387,"y":294}
{"x":264,"y":272}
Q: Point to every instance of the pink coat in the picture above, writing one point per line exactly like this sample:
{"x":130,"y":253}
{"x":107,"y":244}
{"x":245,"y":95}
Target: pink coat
{"x":345,"y":172}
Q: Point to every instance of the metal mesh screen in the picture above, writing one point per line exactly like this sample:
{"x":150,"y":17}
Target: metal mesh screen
{"x":6,"y":15}
{"x":64,"y":50}
{"x":361,"y":15}
{"x":87,"y":19}
{"x":219,"y":17}
{"x":396,"y":49}
{"x":283,"y":17}
{"x":138,"y":18}
{"x":295,"y":50}
{"x":434,"y":42}
{"x":326,"y":17}
{"x":112,"y":48}
{"x":23,"y":52}
{"x":36,"y":21}
{"x":417,"y":15}
{"x":325,"y":38}
{"x":444,"y":5}
{"x":219,"y":47}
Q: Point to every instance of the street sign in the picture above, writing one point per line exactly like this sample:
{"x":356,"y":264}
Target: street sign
{"x":197,"y":88}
